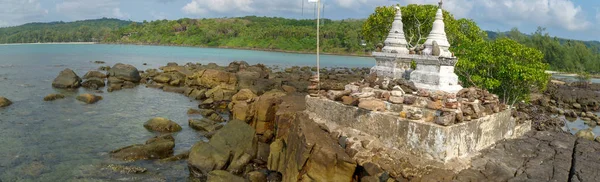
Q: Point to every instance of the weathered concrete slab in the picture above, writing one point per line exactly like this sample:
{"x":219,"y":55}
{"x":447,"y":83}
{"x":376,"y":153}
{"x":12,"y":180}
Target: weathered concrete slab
{"x":423,"y":139}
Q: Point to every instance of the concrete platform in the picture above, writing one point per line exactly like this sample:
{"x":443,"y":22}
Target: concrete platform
{"x":421,"y":139}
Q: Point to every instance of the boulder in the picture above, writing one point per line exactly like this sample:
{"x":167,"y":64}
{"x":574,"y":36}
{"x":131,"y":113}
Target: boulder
{"x":233,"y":144}
{"x":93,"y":83}
{"x":265,"y":108}
{"x":256,"y":176}
{"x":67,"y":79}
{"x":162,"y":125}
{"x":351,"y":101}
{"x":244,"y":95}
{"x":4,"y":102}
{"x":51,"y":97}
{"x":211,"y":78}
{"x":125,"y":72}
{"x":372,"y":104}
{"x":204,"y":125}
{"x":242,"y":110}
{"x":586,"y":134}
{"x":309,"y":153}
{"x":94,"y":74}
{"x":246,"y":79}
{"x":89,"y":98}
{"x":223,"y":176}
{"x":155,"y":148}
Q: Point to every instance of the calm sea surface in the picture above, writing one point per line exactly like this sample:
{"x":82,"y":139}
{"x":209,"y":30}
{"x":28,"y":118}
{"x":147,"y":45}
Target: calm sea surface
{"x":66,"y":140}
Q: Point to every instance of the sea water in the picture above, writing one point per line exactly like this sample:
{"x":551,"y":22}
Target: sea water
{"x":66,"y":140}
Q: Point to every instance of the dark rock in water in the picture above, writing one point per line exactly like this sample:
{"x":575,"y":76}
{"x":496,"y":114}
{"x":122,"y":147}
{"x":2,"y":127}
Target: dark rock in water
{"x":93,"y":83}
{"x":67,"y":79}
{"x":155,"y":148}
{"x":179,"y":90}
{"x":104,"y":68}
{"x":234,"y":144}
{"x":177,"y":157}
{"x":51,"y":97}
{"x":586,"y":134}
{"x":114,"y":80}
{"x":114,"y":87}
{"x":4,"y":102}
{"x":223,"y":176}
{"x":204,"y":125}
{"x":162,"y":125}
{"x":99,"y":62}
{"x":126,"y":169}
{"x":94,"y":74}
{"x":125,"y":72}
{"x":89,"y":98}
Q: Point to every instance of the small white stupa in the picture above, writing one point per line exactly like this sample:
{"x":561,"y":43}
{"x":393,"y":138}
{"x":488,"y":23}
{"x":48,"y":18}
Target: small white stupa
{"x":396,"y":42}
{"x":438,"y":35}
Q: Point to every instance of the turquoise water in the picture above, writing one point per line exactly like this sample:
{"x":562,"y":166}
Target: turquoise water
{"x":66,"y":140}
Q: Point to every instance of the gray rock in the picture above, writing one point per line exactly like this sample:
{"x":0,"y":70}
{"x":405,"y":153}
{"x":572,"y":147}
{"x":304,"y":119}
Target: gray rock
{"x":94,"y":74}
{"x":67,"y":79}
{"x":125,"y":72}
{"x":4,"y":102}
{"x":436,"y":51}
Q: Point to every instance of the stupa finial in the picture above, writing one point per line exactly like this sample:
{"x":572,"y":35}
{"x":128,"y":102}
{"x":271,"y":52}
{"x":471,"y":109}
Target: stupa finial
{"x":441,"y":3}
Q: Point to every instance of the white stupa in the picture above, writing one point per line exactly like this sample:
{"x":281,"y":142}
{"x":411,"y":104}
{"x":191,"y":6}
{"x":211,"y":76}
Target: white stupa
{"x":396,"y":42}
{"x":438,"y":34}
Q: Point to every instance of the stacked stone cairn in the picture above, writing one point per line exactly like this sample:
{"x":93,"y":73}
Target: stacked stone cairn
{"x":402,"y":98}
{"x":313,"y":88}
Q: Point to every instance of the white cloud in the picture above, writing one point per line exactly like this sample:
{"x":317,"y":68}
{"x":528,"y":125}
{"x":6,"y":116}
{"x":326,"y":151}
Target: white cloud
{"x":563,"y":14}
{"x":14,"y":12}
{"x":91,"y":9}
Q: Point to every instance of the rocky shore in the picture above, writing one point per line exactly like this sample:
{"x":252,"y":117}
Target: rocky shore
{"x":257,"y":130}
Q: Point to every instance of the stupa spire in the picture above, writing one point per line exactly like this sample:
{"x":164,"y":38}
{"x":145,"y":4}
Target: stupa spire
{"x":438,"y":35}
{"x":396,"y":42}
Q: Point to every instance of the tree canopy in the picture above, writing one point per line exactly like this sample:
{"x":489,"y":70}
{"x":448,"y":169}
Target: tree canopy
{"x":79,"y":31}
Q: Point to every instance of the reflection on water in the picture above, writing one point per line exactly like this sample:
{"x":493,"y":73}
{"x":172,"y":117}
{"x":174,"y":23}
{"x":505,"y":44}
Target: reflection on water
{"x":573,"y":125}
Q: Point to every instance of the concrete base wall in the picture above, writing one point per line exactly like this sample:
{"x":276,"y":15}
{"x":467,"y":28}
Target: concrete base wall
{"x":422,"y":139}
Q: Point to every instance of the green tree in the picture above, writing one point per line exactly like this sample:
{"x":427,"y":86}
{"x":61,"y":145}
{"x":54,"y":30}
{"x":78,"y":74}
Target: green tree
{"x":418,"y":21}
{"x":503,"y":67}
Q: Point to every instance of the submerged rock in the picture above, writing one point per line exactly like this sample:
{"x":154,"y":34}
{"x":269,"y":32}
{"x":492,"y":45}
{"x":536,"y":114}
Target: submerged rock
{"x":586,"y":134}
{"x":4,"y":102}
{"x":126,"y":169}
{"x":93,"y":83}
{"x":51,"y":97}
{"x":155,"y":148}
{"x":67,"y":79}
{"x":223,"y":176}
{"x":89,"y":98}
{"x":162,"y":125}
{"x":204,"y":125}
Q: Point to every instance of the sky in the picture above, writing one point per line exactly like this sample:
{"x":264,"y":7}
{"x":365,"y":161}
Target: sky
{"x":575,"y":19}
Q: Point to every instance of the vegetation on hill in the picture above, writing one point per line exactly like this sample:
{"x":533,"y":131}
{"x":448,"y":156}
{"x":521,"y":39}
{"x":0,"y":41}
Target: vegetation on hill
{"x":79,"y":31}
{"x":560,"y":54}
{"x":340,"y":36}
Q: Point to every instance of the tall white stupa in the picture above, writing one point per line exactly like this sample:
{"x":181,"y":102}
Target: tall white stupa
{"x":396,"y":42}
{"x":438,"y":34}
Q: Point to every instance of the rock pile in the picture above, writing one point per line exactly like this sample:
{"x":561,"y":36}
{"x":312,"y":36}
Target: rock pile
{"x":94,"y":80}
{"x":122,"y":76}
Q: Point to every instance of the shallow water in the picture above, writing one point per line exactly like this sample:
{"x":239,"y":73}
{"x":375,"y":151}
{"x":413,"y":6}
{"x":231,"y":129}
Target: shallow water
{"x":66,"y":140}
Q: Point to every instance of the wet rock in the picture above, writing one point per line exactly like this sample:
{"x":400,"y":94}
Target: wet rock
{"x":125,"y":72}
{"x":99,"y":62}
{"x":162,"y":125}
{"x":372,"y":104}
{"x":204,"y":125}
{"x":177,"y":157}
{"x":257,"y":176}
{"x":94,"y":74}
{"x":89,"y":98}
{"x":232,"y":144}
{"x":93,"y":83}
{"x":67,"y":79}
{"x":586,"y":134}
{"x":223,"y":176}
{"x":155,"y":148}
{"x":52,"y":97}
{"x":4,"y":102}
{"x":114,"y":80}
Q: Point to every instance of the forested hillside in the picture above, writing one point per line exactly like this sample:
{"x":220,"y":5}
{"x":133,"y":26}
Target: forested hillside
{"x":340,"y":36}
{"x":561,"y":54}
{"x":78,"y":31}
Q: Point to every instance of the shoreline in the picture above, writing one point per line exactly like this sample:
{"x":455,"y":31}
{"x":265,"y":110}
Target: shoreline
{"x":240,"y":48}
{"x":51,"y":43}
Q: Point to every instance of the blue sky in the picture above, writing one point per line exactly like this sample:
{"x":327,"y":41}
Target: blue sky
{"x":576,"y":19}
